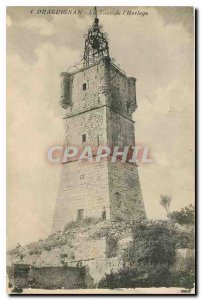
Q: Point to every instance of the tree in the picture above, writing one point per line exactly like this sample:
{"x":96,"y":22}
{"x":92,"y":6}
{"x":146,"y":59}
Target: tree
{"x":153,"y":247}
{"x":185,"y":216}
{"x":165,"y":202}
{"x":147,"y":260}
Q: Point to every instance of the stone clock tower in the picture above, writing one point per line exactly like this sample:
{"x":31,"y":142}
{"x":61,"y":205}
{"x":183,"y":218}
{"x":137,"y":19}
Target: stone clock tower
{"x":98,"y":101}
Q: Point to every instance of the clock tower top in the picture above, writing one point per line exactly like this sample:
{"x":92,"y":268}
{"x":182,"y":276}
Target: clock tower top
{"x":96,"y":43}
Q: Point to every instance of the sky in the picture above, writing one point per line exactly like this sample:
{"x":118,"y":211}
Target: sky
{"x":157,"y":49}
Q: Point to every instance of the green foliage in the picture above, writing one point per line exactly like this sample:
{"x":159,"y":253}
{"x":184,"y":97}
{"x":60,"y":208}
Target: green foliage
{"x":185,"y":216}
{"x":17,"y":290}
{"x":47,"y":248}
{"x":129,"y":278}
{"x":63,"y":255}
{"x":111,"y":246}
{"x":185,"y":239}
{"x":149,"y":258}
{"x":18,"y":245}
{"x":70,"y":225}
{"x":90,"y":221}
{"x":85,"y":222}
{"x":153,"y":247}
{"x":64,"y":263}
{"x":123,"y":279}
{"x":35,"y":251}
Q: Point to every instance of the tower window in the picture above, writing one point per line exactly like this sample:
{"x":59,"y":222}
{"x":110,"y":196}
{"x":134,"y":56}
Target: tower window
{"x":80,"y":215}
{"x":84,"y":86}
{"x":84,"y":138}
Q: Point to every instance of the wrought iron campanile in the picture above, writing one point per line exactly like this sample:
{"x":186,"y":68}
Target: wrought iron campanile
{"x":96,"y":43}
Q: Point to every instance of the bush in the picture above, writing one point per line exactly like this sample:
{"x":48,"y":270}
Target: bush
{"x":47,"y":248}
{"x":17,"y":290}
{"x":70,"y":225}
{"x":132,"y":279}
{"x":123,"y":279}
{"x":185,"y":216}
{"x":153,"y":247}
{"x":149,"y":258}
{"x":34,"y":251}
{"x":85,"y":222}
{"x":63,"y":255}
{"x":185,"y":239}
{"x":111,"y":246}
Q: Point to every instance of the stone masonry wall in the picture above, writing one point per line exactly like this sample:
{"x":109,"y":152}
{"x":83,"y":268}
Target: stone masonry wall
{"x":84,"y":185}
{"x":100,"y":104}
{"x":125,"y":193}
{"x":122,"y":92}
{"x":47,"y":277}
{"x":91,"y":97}
{"x":120,"y":130}
{"x":105,"y":85}
{"x":91,"y":123}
